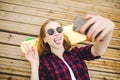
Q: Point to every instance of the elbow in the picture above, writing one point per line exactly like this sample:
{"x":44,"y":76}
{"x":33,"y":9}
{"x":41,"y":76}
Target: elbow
{"x":97,"y":54}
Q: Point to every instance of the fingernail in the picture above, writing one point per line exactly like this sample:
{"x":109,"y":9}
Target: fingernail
{"x":80,"y":30}
{"x":86,"y":38}
{"x":90,"y":38}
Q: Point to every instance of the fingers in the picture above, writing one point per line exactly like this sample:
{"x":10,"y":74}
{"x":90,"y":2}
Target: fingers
{"x":98,"y":31}
{"x":97,"y":27}
{"x":102,"y":35}
{"x":32,"y":54}
{"x":94,"y":30}
{"x":88,"y":24}
{"x":35,"y":51}
{"x":27,"y":48}
{"x":88,"y":16}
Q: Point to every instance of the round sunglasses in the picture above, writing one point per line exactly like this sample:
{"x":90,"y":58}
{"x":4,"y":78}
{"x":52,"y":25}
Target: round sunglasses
{"x":58,"y":29}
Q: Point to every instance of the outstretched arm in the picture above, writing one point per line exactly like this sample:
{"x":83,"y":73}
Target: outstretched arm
{"x":100,"y":27}
{"x":33,"y":58}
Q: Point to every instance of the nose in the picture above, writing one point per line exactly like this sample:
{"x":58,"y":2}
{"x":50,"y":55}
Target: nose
{"x":56,"y":33}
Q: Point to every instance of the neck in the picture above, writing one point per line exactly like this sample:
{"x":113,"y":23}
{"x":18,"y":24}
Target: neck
{"x":58,"y":51}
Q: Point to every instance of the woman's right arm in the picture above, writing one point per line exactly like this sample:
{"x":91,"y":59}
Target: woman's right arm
{"x":33,"y":57}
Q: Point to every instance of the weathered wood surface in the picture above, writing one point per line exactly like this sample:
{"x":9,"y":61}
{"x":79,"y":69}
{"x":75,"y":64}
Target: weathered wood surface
{"x":20,"y":19}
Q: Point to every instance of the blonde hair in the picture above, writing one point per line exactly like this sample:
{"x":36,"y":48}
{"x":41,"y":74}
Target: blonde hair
{"x":44,"y":47}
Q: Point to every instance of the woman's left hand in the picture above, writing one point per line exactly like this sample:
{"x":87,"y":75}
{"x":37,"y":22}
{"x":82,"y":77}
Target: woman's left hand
{"x":98,"y":26}
{"x":32,"y":55}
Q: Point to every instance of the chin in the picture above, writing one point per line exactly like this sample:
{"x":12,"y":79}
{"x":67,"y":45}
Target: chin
{"x":58,"y":46}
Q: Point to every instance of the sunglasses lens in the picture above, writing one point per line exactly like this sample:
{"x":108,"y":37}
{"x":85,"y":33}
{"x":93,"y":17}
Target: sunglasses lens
{"x":50,"y":31}
{"x":59,"y":29}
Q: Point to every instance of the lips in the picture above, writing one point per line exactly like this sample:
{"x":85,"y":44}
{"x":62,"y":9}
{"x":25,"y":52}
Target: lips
{"x":57,"y":40}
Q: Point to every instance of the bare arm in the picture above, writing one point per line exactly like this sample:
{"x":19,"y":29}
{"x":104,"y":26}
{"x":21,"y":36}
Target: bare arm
{"x":100,"y":46}
{"x":99,"y":25}
{"x":34,"y":72}
{"x":33,"y":58}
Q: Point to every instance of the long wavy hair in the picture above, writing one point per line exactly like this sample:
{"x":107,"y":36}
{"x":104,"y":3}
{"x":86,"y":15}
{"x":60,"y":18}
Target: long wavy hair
{"x":43,"y":47}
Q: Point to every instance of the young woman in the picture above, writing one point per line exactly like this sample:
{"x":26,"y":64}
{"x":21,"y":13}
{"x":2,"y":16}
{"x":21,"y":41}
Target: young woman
{"x":54,"y":59}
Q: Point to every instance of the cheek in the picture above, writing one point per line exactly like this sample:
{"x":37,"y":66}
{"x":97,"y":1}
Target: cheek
{"x":62,"y":35}
{"x":49,"y":38}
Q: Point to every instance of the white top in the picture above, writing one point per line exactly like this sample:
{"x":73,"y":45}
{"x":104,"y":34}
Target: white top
{"x":70,"y":70}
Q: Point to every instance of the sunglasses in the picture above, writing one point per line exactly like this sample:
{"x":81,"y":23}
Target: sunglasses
{"x":52,"y":31}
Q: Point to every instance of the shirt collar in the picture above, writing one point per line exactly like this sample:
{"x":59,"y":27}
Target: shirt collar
{"x":52,"y":55}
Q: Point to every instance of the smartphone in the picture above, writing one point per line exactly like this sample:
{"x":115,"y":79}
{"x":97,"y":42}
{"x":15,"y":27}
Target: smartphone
{"x":78,"y":23}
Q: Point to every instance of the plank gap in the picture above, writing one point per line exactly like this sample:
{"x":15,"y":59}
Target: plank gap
{"x":14,"y":74}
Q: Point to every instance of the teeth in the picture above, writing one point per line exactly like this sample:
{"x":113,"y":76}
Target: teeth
{"x":57,"y":39}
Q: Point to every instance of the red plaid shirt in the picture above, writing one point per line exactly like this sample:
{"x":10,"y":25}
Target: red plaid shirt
{"x":53,"y":68}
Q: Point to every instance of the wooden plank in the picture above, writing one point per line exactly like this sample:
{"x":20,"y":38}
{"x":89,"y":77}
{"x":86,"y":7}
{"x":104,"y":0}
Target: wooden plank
{"x":94,"y":75}
{"x":34,"y":20}
{"x":10,"y":51}
{"x":111,"y":4}
{"x":100,"y":65}
{"x":99,"y":5}
{"x":22,"y":18}
{"x":116,"y":34}
{"x":117,"y":25}
{"x":73,"y":4}
{"x":104,"y":65}
{"x":87,"y":6}
{"x":113,"y":1}
{"x":115,"y":42}
{"x":66,"y":9}
{"x":19,"y":27}
{"x":11,"y":38}
{"x":109,"y":64}
{"x":28,"y":19}
{"x":15,"y":67}
{"x":12,"y":77}
{"x":16,"y":53}
{"x":12,"y":66}
{"x":36,"y":12}
{"x":15,"y":39}
{"x":25,"y":18}
{"x":39,"y":12}
{"x":112,"y":54}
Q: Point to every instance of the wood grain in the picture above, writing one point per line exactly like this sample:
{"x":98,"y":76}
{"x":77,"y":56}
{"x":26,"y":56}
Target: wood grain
{"x":20,"y":19}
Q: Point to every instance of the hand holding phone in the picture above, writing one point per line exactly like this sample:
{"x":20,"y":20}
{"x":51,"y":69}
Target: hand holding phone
{"x":78,"y":23}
